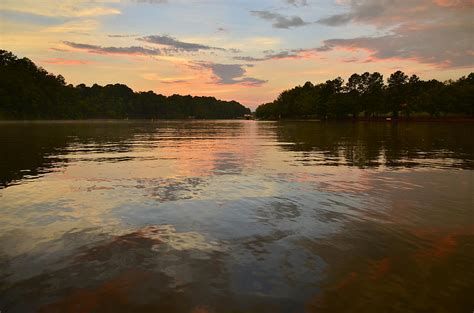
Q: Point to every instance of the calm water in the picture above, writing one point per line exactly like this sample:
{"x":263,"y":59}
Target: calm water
{"x":236,"y":216}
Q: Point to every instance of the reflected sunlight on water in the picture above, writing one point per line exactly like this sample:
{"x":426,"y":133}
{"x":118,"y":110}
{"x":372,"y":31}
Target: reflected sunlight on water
{"x":209,"y":216}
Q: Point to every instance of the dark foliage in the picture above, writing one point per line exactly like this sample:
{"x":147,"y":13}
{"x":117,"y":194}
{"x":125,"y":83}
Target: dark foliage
{"x":367,"y":95}
{"x":30,"y":92}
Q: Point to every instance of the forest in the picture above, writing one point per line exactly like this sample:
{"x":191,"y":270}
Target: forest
{"x":368,"y":96}
{"x":30,"y":92}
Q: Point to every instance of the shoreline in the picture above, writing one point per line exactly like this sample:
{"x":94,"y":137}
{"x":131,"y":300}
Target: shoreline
{"x":382,"y":119}
{"x":108,"y":120}
{"x":348,"y":119}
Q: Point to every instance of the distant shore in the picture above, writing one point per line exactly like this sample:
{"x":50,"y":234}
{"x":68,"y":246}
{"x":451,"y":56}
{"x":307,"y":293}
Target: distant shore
{"x":108,"y":120}
{"x":381,"y":119}
{"x":450,"y":119}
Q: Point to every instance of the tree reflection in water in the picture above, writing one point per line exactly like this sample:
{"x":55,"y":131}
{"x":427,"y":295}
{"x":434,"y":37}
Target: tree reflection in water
{"x":236,"y":216}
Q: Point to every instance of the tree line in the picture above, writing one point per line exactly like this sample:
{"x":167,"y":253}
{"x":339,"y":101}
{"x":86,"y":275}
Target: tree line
{"x":30,"y":92}
{"x":367,"y":95}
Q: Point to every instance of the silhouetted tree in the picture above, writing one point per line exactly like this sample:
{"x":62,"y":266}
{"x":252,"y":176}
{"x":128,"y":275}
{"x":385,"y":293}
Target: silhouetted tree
{"x":30,"y":92}
{"x":366,"y":93}
{"x":397,"y":91}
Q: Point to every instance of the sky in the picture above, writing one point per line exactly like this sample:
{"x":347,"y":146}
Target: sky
{"x":242,"y":50}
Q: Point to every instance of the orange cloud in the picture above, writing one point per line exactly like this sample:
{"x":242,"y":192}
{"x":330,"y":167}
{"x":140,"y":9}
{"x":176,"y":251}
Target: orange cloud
{"x":454,"y":3}
{"x":61,"y":61}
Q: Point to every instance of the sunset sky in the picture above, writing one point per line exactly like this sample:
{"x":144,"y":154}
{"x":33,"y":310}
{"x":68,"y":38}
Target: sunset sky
{"x":242,"y":50}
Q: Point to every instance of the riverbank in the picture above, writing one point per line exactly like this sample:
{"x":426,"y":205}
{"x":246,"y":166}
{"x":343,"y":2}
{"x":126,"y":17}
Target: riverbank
{"x":105,"y":121}
{"x":382,"y":119}
{"x":348,"y":119}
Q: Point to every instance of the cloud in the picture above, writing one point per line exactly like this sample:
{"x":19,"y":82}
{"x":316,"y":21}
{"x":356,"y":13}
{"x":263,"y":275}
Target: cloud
{"x":134,"y":50}
{"x":122,"y":36}
{"x":444,"y":47}
{"x":454,"y":3}
{"x":98,"y":11}
{"x":286,"y":54}
{"x":76,"y":26}
{"x":61,"y":61}
{"x":177,"y":45}
{"x":386,"y":13}
{"x":230,"y":74}
{"x":29,"y":18}
{"x":280,"y":21}
{"x":336,"y":20}
{"x":437,"y":32}
{"x":177,"y":81}
{"x":58,"y":12}
{"x":297,"y":3}
{"x":234,"y":50}
{"x":249,"y":59}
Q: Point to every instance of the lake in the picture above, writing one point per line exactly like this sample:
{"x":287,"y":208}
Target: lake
{"x":236,"y":216}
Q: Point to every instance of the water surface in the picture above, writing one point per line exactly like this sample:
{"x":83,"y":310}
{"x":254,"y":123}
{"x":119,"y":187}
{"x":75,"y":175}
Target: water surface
{"x":236,"y":216}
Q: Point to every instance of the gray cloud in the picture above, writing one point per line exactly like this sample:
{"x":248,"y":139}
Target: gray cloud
{"x":297,"y":3}
{"x":177,"y":45}
{"x":437,"y":32}
{"x":280,"y":21}
{"x":248,"y":59}
{"x":336,"y":20}
{"x":365,"y":10}
{"x":231,"y":74}
{"x":135,"y":50}
{"x":385,"y":13}
{"x":283,"y":55}
{"x":444,"y":47}
{"x":271,"y":55}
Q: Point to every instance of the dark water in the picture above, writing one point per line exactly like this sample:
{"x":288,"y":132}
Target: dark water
{"x":236,"y":216}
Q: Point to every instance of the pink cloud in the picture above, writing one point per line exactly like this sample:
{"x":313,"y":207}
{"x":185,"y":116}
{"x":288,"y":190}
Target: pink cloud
{"x":434,"y":32}
{"x":61,"y":61}
{"x":454,"y":3}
